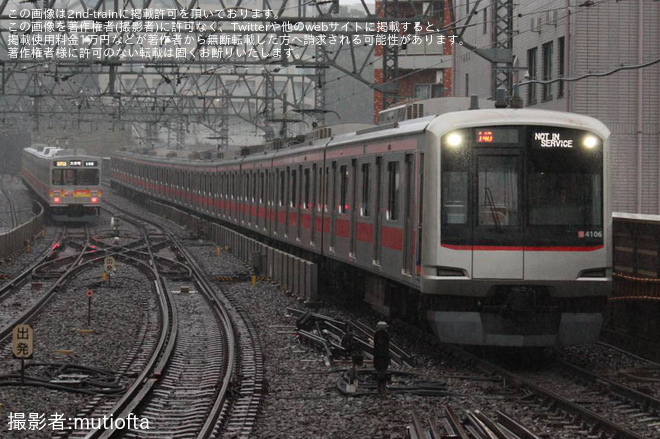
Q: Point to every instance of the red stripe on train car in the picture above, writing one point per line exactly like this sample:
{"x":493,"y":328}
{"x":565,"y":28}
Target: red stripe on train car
{"x":293,"y":218}
{"x":341,"y":227}
{"x":306,"y":221}
{"x":392,"y":237}
{"x":520,"y":248}
{"x":365,"y":232}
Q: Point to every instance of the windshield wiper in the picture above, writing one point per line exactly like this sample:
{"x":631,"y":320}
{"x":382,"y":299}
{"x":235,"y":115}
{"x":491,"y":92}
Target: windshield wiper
{"x":491,"y":204}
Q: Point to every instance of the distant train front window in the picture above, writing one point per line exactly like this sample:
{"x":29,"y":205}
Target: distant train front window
{"x":565,"y":178}
{"x":75,"y":177}
{"x":87,"y":176}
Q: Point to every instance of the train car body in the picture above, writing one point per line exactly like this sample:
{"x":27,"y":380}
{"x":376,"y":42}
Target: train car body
{"x":68,"y":183}
{"x":498,"y":221}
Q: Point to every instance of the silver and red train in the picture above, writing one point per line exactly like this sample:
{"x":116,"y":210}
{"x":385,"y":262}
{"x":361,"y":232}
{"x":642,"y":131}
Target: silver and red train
{"x":493,"y":224}
{"x":66,"y":181}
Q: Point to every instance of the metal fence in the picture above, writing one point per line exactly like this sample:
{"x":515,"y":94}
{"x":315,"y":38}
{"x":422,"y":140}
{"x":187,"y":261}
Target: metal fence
{"x":636,"y":257}
{"x":17,"y":238}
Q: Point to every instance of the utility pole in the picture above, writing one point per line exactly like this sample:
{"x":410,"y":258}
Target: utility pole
{"x":502,"y":62}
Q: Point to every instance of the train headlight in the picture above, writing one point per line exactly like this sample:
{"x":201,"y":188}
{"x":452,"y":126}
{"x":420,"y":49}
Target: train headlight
{"x":57,"y":200}
{"x":454,"y":140}
{"x":590,"y":142}
{"x":94,"y":200}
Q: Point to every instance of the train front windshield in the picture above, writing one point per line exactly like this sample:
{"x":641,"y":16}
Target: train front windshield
{"x":75,"y":177}
{"x":530,"y":186}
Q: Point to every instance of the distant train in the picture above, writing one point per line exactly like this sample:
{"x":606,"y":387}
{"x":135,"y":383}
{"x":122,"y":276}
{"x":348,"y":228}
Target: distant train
{"x":495,"y":225}
{"x":65,"y":180}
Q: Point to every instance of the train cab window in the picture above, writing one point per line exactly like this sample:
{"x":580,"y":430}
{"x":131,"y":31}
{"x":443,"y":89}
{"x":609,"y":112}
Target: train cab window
{"x":75,"y":177}
{"x":343,"y":189}
{"x":87,"y":176}
{"x":565,"y":184}
{"x":366,"y":181}
{"x":68,"y":177}
{"x":393,"y":178}
{"x":498,"y":183}
{"x":455,"y":201}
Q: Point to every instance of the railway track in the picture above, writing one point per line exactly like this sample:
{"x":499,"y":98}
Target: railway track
{"x":32,"y":297}
{"x":576,"y":400}
{"x":186,"y":385}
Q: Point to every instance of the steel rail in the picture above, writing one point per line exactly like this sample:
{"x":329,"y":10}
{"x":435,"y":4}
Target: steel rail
{"x":604,"y":424}
{"x":23,"y":276}
{"x":224,"y":320}
{"x":231,"y":360}
{"x":647,"y":401}
{"x":34,"y":309}
{"x":147,"y":379}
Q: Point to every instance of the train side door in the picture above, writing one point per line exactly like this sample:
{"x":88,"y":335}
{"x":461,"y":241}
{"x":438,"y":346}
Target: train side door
{"x":497,"y":221}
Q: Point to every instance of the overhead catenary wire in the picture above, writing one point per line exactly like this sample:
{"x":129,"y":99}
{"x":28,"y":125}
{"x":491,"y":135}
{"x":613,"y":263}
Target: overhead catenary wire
{"x":435,"y":65}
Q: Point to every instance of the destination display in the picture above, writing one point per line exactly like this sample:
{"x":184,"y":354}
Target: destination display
{"x":496,"y":135}
{"x":76,"y":163}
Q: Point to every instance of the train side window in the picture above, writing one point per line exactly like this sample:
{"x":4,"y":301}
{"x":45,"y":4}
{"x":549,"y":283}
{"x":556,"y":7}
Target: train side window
{"x":282,"y":187}
{"x":314,"y":189}
{"x":294,"y":186}
{"x":366,"y":181}
{"x":393,"y":178}
{"x":264,"y":191}
{"x":246,"y":187}
{"x":343,"y":189}
{"x":254,"y":186}
{"x":306,"y":204}
{"x":327,"y":188}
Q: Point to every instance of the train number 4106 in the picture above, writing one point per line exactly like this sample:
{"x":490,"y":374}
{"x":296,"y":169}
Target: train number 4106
{"x":590,"y":234}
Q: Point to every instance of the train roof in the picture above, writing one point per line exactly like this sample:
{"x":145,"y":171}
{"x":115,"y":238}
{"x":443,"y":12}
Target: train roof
{"x":507,"y":116}
{"x":437,"y":123}
{"x":52,"y":151}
